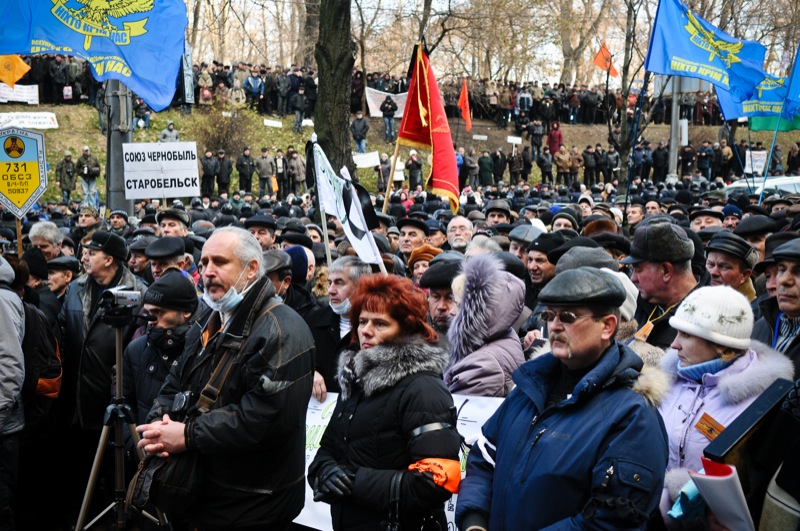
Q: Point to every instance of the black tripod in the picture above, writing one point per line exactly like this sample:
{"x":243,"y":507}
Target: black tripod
{"x":118,"y":414}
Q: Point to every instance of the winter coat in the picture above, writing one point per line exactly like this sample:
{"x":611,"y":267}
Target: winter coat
{"x":66,"y":174}
{"x":562,"y":161}
{"x":485,"y":169}
{"x":545,"y":162}
{"x":498,"y":164}
{"x":210,"y":166}
{"x":88,"y":349}
{"x":723,"y":396}
{"x":283,"y":85}
{"x":224,"y":169}
{"x":265,"y":166}
{"x":388,"y":108}
{"x":484,"y":349}
{"x":245,"y":165}
{"x":575,"y":162}
{"x":764,"y":328}
{"x":12,"y":362}
{"x":554,"y":139}
{"x":389,"y":392}
{"x":298,"y":102}
{"x":359,"y":128}
{"x":169,"y":136}
{"x":613,"y":160}
{"x":297,"y":168}
{"x":575,"y":465}
{"x":88,"y":167}
{"x":471,"y":165}
{"x":251,"y":442}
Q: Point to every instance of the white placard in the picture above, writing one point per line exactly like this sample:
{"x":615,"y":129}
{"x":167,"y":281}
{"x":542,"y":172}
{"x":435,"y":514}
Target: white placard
{"x":755,"y":161}
{"x":376,"y":97}
{"x":473,"y":412}
{"x":273,"y":123}
{"x":28,"y":120}
{"x":480,"y":137}
{"x":514,"y":140}
{"x":307,"y":123}
{"x":367,"y":160}
{"x":160,"y":170}
{"x":24,"y":93}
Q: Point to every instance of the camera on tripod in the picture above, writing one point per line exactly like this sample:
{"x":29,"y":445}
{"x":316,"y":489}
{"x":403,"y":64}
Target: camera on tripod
{"x":118,"y":304}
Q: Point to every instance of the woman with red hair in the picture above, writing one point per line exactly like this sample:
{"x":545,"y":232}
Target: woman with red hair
{"x":390,"y":452}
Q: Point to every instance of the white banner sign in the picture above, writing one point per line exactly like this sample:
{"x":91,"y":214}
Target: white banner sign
{"x":367,"y":160}
{"x":273,"y":123}
{"x":514,"y":140}
{"x":376,"y":97}
{"x":473,"y":412}
{"x":480,"y":137}
{"x":755,"y":162}
{"x":28,"y":120}
{"x":160,"y":170}
{"x":24,"y":93}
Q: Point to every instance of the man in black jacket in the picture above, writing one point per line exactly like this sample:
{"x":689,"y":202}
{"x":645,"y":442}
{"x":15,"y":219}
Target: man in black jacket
{"x":246,"y":166}
{"x":224,"y":171}
{"x":210,"y":167}
{"x":251,"y":441}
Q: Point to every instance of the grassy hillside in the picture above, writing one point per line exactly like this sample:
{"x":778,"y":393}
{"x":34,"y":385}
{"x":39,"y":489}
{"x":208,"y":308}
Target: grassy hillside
{"x":78,"y":126}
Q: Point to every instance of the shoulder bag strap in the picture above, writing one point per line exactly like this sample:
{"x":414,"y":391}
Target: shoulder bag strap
{"x":210,"y":393}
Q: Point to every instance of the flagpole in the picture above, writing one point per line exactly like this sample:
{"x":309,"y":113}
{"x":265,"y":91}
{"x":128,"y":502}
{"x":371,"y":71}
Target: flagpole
{"x":635,"y":137}
{"x":769,"y":157}
{"x":391,"y":176}
{"x":325,"y":232}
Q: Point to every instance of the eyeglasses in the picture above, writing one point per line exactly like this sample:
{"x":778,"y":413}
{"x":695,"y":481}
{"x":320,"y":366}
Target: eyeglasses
{"x":565,"y":317}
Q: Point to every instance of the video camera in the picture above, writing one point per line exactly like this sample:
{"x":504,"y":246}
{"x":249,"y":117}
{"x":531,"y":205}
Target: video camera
{"x":121,"y":297}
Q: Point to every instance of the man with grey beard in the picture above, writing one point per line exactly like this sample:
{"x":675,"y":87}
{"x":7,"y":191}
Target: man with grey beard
{"x":459,"y":233}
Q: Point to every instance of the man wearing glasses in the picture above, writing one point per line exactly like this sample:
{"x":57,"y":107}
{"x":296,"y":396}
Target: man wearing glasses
{"x":565,"y":449}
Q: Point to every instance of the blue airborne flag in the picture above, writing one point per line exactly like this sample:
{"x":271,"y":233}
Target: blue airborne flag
{"x":792,"y":106}
{"x":139,"y":42}
{"x":767,"y":100}
{"x":683,"y":44}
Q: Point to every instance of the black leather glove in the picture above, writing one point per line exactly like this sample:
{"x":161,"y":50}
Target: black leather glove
{"x":333,"y":483}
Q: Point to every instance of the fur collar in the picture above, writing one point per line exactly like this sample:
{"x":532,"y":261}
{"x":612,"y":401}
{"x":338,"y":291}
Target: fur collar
{"x":383,"y":366}
{"x":734,"y":385}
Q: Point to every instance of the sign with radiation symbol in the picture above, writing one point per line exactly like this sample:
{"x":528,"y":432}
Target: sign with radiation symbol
{"x":23,"y":169}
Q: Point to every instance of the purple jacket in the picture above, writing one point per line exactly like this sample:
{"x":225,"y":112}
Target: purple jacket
{"x":723,"y":396}
{"x":485,"y":351}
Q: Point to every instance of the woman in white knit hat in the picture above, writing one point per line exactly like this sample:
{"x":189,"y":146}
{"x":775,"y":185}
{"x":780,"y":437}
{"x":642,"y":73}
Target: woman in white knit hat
{"x":717,"y":372}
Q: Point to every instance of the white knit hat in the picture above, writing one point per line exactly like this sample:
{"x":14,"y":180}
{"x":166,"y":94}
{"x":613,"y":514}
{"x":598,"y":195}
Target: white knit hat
{"x":719,"y":314}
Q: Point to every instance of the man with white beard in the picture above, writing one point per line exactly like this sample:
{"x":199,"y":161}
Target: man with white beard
{"x":459,"y":233}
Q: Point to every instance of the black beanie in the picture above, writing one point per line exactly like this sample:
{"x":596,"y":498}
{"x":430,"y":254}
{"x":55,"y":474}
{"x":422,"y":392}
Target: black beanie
{"x":37,"y":265}
{"x":172,"y":291}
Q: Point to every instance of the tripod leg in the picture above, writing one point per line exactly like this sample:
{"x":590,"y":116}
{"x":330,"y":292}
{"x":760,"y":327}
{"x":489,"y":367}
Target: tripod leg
{"x":98,"y":459}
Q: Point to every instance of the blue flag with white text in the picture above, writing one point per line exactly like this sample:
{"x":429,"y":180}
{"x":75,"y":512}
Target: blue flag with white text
{"x":683,"y":44}
{"x":767,"y":100}
{"x":138,"y":42}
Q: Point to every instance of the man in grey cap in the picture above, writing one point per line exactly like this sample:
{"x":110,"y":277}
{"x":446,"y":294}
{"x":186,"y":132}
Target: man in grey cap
{"x":567,"y":393}
{"x":165,"y":254}
{"x":779,"y":325}
{"x":438,"y":280}
{"x":138,"y":263}
{"x":498,"y":211}
{"x":173,"y":222}
{"x":61,"y":272}
{"x":661,"y":256}
{"x":730,"y":261}
{"x":263,"y":228}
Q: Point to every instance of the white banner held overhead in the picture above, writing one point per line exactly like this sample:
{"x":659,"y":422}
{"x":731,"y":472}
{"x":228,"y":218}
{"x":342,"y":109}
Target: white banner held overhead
{"x":367,"y":160}
{"x":376,"y":97}
{"x":23,"y":93}
{"x":28,"y":120}
{"x":473,"y":412}
{"x":160,"y":170}
{"x":514,"y":140}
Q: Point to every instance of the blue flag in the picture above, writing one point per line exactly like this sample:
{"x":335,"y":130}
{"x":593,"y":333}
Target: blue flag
{"x":792,"y":106}
{"x":767,"y":100}
{"x":683,"y":44}
{"x":139,"y":42}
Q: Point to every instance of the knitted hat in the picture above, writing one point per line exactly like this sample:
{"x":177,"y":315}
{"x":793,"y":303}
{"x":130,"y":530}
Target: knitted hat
{"x":425,"y":252}
{"x":37,"y":264}
{"x":172,"y":291}
{"x":299,"y":263}
{"x":719,"y":314}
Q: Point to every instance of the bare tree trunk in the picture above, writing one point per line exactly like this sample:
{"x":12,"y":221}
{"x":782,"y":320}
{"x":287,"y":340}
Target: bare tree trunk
{"x":198,"y":4}
{"x":334,"y":55}
{"x":310,"y":31}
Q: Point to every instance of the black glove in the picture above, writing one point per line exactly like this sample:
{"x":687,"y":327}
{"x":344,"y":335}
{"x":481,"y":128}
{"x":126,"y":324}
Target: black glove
{"x":792,"y":403}
{"x":333,"y":483}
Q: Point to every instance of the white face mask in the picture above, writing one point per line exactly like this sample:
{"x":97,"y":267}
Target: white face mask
{"x":228,"y":302}
{"x":342,"y":308}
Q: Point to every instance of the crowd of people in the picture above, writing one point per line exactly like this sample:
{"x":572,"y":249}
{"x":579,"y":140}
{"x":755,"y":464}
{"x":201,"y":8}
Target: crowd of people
{"x":601,"y":318}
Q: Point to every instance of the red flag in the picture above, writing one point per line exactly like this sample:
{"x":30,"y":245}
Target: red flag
{"x":463,"y":104}
{"x":425,"y":126}
{"x":603,"y":61}
{"x":12,"y":68}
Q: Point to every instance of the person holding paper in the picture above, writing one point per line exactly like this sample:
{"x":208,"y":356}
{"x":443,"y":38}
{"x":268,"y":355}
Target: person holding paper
{"x":716,"y":371}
